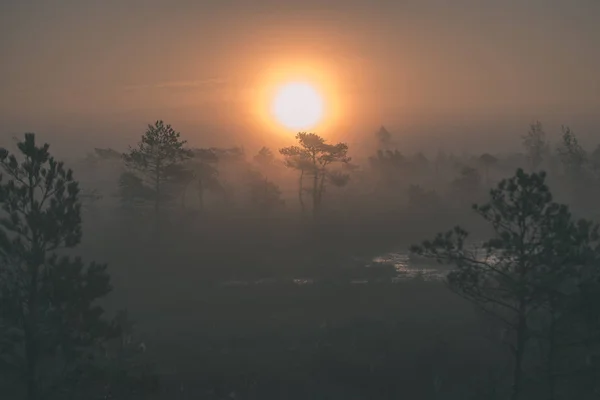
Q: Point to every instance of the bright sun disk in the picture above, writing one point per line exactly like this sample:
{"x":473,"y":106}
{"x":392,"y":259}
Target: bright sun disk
{"x":297,"y":105}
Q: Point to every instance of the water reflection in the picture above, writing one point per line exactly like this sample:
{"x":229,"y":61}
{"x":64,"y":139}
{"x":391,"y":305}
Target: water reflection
{"x":412,"y":267}
{"x":407,"y":267}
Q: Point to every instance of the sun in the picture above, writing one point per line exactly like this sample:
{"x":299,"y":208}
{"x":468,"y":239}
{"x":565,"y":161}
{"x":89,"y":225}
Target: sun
{"x":298,"y":105}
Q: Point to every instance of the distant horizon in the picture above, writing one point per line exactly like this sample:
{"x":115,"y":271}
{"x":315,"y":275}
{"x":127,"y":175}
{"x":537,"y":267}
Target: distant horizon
{"x":380,"y":61}
{"x":450,"y":132}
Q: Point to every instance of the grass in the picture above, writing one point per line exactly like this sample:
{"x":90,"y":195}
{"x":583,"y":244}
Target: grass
{"x":338,"y":341}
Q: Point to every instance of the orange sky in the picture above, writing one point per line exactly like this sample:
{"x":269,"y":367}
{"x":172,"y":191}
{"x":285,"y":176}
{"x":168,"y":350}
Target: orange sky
{"x":203,"y":61}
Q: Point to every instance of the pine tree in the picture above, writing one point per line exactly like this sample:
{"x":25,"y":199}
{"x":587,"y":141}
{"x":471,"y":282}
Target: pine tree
{"x":47,"y":302}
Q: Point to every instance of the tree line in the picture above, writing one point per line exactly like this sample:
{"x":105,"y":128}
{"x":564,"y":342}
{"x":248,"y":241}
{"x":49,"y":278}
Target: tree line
{"x":537,"y":275}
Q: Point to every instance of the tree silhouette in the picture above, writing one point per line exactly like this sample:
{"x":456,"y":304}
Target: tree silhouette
{"x":157,"y":157}
{"x":595,"y":159}
{"x":389,"y":166}
{"x":312,"y":158}
{"x":205,"y":173}
{"x":387,"y":159}
{"x":132,"y":192}
{"x":572,"y":156}
{"x":536,"y":245}
{"x":267,"y":163}
{"x":568,"y":265}
{"x":92,"y":159}
{"x":535,"y":144}
{"x":264,"y":158}
{"x":384,"y":139}
{"x":231,"y":154}
{"x":264,"y":194}
{"x":47,"y":302}
{"x":231,"y":161}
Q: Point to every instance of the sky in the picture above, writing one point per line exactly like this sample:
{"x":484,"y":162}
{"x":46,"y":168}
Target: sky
{"x":95,"y":71}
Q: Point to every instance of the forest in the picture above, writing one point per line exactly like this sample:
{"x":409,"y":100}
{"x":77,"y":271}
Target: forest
{"x":164,"y":271}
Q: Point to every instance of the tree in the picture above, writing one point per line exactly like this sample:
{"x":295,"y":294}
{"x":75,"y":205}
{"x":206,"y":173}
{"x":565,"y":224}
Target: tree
{"x":157,"y":157}
{"x":47,"y":302}
{"x":387,"y":160}
{"x":264,"y":194}
{"x":93,"y":159}
{"x":264,"y":158}
{"x":132,"y":192}
{"x":535,"y":144}
{"x":232,"y":162}
{"x":266,"y":162}
{"x":390,"y":167}
{"x":567,"y":264}
{"x":234,"y":154}
{"x":595,"y":159}
{"x":536,"y":245}
{"x":384,"y":139}
{"x":205,"y":173}
{"x":572,"y":156}
{"x":312,"y":158}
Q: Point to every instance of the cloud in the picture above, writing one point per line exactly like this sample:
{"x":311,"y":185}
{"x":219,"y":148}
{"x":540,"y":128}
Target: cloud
{"x":202,"y":83}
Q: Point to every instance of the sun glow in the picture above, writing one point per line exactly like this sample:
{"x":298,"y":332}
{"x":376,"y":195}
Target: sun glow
{"x":296,"y":95}
{"x":298,"y":105}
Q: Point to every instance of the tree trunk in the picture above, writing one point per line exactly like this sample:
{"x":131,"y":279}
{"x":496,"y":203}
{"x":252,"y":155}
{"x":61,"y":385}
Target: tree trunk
{"x":31,"y":369}
{"x":157,"y":189}
{"x":321,"y":187}
{"x":551,"y":352}
{"x":30,"y":320}
{"x":519,"y":353}
{"x":30,"y":326}
{"x":300,"y":190}
{"x":315,"y":194}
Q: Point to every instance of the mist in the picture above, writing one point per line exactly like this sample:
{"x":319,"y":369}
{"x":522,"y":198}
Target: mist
{"x":163,"y":236}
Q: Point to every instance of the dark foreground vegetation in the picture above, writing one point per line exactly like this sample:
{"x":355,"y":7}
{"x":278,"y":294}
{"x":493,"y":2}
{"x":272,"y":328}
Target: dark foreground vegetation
{"x":251,"y":277}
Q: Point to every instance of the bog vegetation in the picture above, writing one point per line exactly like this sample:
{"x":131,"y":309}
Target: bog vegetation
{"x":171,"y":272}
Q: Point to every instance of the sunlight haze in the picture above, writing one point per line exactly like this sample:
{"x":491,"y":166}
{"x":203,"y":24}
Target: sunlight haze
{"x":300,"y":199}
{"x":92,"y":70}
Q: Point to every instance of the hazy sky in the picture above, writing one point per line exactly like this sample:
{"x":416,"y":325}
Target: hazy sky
{"x":86,"y":63}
